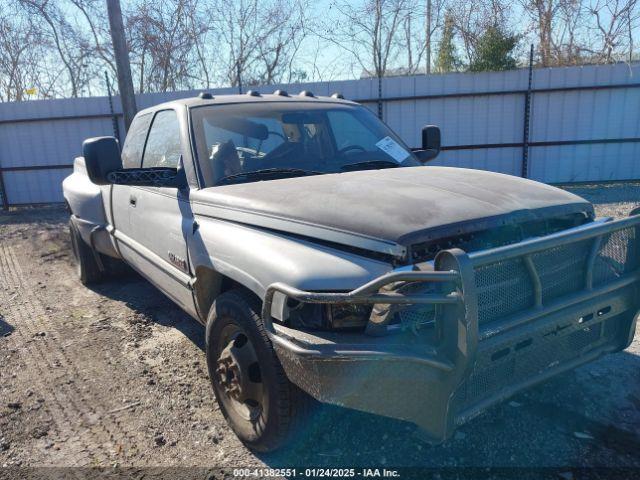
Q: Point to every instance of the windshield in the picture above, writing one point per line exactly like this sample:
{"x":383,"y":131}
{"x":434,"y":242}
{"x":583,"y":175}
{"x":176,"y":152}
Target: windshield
{"x":261,"y":141}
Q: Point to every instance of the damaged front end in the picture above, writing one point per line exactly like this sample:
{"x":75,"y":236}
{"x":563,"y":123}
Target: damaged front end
{"x":445,"y":339}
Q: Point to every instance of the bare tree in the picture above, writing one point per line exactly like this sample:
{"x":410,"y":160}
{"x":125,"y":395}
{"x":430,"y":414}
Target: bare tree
{"x":19,"y":56}
{"x":566,"y":43}
{"x":614,"y":22}
{"x":575,"y":31}
{"x":373,"y":33}
{"x":162,"y":37}
{"x":259,"y":40}
{"x":66,"y":40}
{"x":200,"y":32}
{"x":62,"y":47}
{"x":416,"y":41}
{"x":544,"y":14}
{"x":93,"y":13}
{"x":433,"y":22}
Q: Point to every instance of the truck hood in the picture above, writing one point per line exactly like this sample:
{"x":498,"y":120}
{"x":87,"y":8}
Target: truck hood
{"x":387,"y":210}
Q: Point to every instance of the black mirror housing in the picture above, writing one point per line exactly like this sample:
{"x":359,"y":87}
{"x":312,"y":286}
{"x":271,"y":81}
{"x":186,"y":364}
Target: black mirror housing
{"x":101,"y":156}
{"x":430,"y":143}
{"x":431,"y":137}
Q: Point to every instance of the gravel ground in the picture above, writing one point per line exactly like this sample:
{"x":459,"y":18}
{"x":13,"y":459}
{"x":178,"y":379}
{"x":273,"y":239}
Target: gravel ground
{"x":116,"y":375}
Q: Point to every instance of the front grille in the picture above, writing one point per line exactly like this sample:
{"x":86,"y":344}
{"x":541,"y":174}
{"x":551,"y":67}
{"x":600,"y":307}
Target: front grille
{"x":415,"y":316}
{"x":505,"y":287}
{"x":509,"y":234}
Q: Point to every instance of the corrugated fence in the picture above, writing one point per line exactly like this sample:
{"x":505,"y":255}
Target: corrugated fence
{"x":584,"y":124}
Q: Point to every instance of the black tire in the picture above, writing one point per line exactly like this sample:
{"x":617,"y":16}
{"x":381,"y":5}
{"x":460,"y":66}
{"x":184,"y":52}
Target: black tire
{"x":263,"y":424}
{"x":114,"y":267}
{"x":86,"y":265}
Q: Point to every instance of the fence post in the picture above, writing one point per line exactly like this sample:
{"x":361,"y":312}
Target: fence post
{"x":380,"y":97}
{"x":527,"y":115}
{"x":3,"y":191}
{"x":114,"y":118}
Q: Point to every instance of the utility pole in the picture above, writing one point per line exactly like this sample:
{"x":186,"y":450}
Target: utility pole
{"x":428,"y":39}
{"x":121,"y":52}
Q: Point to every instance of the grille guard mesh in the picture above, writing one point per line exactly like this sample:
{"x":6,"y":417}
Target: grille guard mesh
{"x":507,"y":286}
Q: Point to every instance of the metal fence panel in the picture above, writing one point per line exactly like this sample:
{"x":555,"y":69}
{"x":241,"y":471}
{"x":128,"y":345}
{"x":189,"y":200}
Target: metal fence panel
{"x":594,"y":110}
{"x":48,"y":143}
{"x":584,"y":163}
{"x":34,"y":186}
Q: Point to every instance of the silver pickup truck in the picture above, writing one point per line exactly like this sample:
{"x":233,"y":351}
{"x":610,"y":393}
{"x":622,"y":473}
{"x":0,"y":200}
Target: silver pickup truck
{"x":327,"y":262}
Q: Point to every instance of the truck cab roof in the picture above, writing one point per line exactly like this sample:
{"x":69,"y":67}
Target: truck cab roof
{"x":278,"y":96}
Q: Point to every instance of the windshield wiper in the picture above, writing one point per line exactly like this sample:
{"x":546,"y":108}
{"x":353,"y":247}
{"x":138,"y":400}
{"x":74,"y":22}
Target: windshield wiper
{"x":369,"y":164}
{"x":268,"y":172}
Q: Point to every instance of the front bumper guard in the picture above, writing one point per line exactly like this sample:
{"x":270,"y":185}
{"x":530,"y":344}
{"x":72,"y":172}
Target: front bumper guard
{"x":419,"y":382}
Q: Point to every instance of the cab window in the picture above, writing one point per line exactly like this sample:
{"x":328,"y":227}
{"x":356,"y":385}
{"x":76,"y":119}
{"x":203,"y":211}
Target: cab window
{"x":134,"y":143}
{"x":163,"y":145}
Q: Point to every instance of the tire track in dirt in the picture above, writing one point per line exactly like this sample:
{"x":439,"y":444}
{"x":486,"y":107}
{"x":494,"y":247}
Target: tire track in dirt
{"x":75,"y":413}
{"x":61,"y":413}
{"x":46,"y":367}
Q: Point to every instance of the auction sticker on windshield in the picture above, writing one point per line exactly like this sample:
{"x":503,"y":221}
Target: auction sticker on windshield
{"x":389,"y":146}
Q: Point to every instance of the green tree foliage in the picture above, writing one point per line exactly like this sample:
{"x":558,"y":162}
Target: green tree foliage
{"x":447,"y":59}
{"x":494,"y":50}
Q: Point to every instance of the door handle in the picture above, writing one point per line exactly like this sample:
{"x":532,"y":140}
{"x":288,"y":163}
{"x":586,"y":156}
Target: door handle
{"x":133,"y":200}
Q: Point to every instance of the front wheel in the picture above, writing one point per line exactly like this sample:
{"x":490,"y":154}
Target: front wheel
{"x":254,"y":394}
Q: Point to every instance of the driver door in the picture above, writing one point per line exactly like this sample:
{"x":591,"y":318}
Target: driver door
{"x":160,"y":217}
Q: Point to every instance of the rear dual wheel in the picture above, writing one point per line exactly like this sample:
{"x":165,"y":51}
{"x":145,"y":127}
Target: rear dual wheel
{"x":87,"y":267}
{"x":86,"y":260}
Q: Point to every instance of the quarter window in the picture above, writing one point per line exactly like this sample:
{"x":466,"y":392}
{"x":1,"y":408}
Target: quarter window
{"x":163,"y":145}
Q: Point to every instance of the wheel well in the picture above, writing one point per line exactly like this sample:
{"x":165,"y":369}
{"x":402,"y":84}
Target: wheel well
{"x":209,"y":284}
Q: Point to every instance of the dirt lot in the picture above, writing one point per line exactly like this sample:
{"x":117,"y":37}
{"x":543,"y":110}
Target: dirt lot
{"x":116,"y":375}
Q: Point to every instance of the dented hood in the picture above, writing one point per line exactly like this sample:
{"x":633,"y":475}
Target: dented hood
{"x":387,"y":210}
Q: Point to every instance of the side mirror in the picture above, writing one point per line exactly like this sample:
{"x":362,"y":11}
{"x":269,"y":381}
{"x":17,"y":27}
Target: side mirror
{"x":104,"y":167}
{"x":430,"y":143}
{"x":101,"y":156}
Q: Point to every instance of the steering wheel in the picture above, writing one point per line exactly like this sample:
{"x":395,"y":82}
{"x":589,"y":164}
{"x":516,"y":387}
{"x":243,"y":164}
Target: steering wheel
{"x":351,"y":147}
{"x":279,"y":154}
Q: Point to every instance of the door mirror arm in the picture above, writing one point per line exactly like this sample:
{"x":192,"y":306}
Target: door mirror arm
{"x":148,"y":177}
{"x":425,"y":155}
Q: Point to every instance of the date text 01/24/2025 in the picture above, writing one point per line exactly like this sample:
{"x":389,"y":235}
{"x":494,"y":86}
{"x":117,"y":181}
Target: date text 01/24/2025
{"x":317,"y":472}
